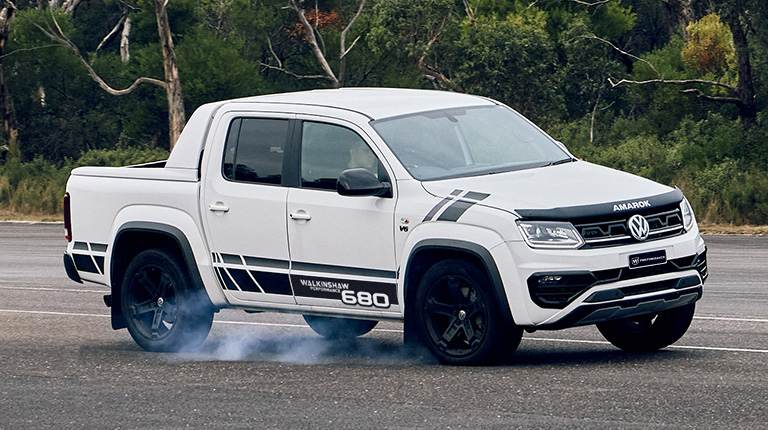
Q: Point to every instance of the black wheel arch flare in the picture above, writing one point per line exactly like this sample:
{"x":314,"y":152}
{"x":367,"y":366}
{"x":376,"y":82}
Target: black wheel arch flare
{"x":153,"y":235}
{"x":436,"y":249}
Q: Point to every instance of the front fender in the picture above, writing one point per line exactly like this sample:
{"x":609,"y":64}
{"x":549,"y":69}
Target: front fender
{"x":477,"y":242}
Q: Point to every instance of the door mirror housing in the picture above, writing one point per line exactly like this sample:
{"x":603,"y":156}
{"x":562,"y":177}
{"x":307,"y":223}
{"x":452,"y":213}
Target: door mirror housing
{"x":361,"y":182}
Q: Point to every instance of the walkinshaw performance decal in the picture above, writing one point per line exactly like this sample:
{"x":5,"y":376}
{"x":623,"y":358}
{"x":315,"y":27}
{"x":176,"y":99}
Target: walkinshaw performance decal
{"x":453,"y":212}
{"x":350,"y":292}
{"x":92,"y":259}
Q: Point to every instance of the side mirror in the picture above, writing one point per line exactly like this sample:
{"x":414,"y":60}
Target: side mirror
{"x":361,"y":182}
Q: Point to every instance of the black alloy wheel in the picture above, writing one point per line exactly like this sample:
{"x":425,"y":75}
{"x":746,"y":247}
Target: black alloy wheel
{"x":457,"y":316}
{"x":162,"y":311}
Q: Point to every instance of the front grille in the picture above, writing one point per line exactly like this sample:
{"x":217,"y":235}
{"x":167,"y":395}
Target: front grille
{"x":557,"y":289}
{"x":599,"y":233}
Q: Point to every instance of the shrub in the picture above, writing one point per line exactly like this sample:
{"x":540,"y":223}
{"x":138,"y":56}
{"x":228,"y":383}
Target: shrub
{"x":37,"y":187}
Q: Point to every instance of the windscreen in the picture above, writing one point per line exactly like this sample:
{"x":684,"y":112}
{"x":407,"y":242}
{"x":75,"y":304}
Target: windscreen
{"x":473,"y":141}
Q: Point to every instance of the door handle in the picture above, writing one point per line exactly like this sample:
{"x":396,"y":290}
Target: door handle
{"x":218,"y":207}
{"x":300,"y":216}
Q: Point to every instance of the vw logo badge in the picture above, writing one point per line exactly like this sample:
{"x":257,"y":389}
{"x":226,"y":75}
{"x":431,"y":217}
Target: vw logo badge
{"x":638,"y":227}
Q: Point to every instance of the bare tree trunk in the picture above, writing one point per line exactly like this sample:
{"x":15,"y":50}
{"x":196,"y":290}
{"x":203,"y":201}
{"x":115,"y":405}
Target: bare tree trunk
{"x":343,"y":50}
{"x":682,"y":10}
{"x":746,"y":85}
{"x":310,"y":32}
{"x":125,"y":50}
{"x":176,"y":116}
{"x":10,"y":123}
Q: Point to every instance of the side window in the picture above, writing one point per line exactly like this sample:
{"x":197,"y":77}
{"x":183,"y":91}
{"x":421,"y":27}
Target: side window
{"x":254,"y":150}
{"x":327,"y":150}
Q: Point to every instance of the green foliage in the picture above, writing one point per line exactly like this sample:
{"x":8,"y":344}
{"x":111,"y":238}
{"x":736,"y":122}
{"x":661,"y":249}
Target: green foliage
{"x":711,"y":46}
{"x":612,"y":21}
{"x":509,"y":61}
{"x":38,"y":186}
{"x":212,"y":69}
{"x":538,"y":57}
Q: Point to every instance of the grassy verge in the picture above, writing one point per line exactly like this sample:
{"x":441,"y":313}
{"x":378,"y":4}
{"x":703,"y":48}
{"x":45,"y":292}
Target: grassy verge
{"x":7,"y":215}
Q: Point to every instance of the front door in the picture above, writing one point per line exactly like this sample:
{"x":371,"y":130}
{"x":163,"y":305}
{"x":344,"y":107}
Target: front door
{"x":342,"y":248}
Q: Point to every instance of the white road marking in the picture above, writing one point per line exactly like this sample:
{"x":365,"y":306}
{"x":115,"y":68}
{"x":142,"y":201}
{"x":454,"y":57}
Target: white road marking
{"x":732,"y":319}
{"x":66,"y":290}
{"x":540,"y":339}
{"x":602,"y":342}
{"x":71,"y":314}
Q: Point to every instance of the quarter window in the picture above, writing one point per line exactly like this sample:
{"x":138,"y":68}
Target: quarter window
{"x":254,"y":150}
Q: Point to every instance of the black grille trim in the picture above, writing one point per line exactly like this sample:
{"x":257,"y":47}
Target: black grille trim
{"x":599,"y":233}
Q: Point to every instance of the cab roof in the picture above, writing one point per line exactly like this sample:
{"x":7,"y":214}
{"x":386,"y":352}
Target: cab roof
{"x":375,"y":103}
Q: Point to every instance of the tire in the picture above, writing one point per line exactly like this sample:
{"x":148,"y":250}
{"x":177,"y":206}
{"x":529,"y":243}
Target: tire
{"x":163,"y":312}
{"x":457,"y":316}
{"x":648,"y":333}
{"x":339,"y":328}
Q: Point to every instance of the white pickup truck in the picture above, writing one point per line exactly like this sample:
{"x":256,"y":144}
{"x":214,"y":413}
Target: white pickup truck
{"x":450,"y":212}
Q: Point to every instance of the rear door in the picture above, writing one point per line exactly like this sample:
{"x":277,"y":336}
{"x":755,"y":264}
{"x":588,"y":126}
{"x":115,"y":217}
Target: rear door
{"x":243,"y":203}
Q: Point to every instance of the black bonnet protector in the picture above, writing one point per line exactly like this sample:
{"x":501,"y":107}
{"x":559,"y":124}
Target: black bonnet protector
{"x":612,"y":209}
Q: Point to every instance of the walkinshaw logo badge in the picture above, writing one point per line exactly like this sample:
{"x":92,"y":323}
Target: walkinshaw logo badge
{"x":638,"y":227}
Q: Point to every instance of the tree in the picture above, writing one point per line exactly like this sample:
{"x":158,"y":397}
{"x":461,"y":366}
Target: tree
{"x":10,"y":123}
{"x":742,"y":94}
{"x":172,"y":83}
{"x":176,"y":116}
{"x":416,"y":26}
{"x":309,"y":25}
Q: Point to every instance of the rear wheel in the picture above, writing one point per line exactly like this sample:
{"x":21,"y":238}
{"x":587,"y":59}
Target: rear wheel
{"x":162,"y":310}
{"x":457,"y":317}
{"x":648,"y":332}
{"x":339,"y":328}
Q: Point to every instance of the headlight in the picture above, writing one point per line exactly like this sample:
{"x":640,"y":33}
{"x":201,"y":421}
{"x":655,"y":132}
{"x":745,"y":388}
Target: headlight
{"x":688,"y":219}
{"x":550,"y":234}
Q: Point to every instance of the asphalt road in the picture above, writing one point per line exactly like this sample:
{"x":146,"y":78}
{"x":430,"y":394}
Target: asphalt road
{"x":61,"y":365}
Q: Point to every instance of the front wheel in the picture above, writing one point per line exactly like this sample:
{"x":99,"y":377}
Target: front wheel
{"x":457,"y":317}
{"x":163,"y":311}
{"x":339,"y":328}
{"x":647,"y":333}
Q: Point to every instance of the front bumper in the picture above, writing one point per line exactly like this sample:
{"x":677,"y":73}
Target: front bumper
{"x":588,"y":286}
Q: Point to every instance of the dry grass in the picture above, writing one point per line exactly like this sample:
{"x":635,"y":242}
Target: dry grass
{"x":758,"y":230}
{"x":7,"y":215}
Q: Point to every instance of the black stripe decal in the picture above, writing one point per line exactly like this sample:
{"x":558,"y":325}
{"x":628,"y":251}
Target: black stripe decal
{"x":341,"y":270}
{"x":231,"y":259}
{"x":243,"y":280}
{"x":266,"y":262}
{"x":228,"y":284}
{"x":82,"y":246}
{"x":99,"y":263}
{"x":273,"y":283}
{"x":84,"y":263}
{"x":440,"y":205}
{"x":456,"y":210}
{"x":474,"y":195}
{"x":98,"y":247}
